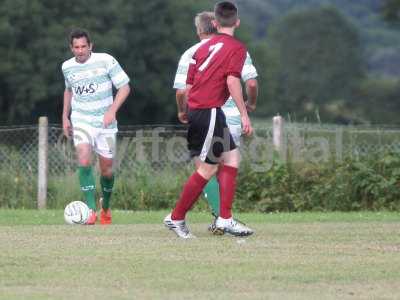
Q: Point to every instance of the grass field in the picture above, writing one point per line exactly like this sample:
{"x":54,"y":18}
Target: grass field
{"x":291,"y":256}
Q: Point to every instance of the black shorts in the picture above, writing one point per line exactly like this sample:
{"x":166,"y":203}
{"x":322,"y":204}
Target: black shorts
{"x":208,"y":135}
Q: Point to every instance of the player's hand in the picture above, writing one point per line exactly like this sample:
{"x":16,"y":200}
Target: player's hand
{"x":246,"y":125}
{"x":108,"y":118}
{"x":67,"y":128}
{"x":250,"y":107}
{"x":183,"y":118}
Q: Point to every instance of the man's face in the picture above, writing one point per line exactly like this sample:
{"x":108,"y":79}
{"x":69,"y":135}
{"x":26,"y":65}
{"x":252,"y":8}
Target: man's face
{"x":81,"y":49}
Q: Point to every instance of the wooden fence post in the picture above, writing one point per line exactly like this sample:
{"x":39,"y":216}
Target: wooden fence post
{"x":277,"y":136}
{"x":42,"y":162}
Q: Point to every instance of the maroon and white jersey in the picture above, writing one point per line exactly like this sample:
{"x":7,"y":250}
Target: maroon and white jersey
{"x":213,"y":62}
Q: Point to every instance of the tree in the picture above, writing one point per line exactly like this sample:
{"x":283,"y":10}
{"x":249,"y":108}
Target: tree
{"x":147,"y":38}
{"x":391,"y":10}
{"x":376,"y":101}
{"x":23,"y":43}
{"x":320,"y":61}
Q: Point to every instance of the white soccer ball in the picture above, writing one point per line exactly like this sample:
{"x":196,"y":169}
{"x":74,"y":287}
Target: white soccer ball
{"x":76,"y":212}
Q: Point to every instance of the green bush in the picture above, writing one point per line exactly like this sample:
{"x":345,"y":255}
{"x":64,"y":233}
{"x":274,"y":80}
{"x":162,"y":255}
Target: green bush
{"x":371,"y":183}
{"x":143,"y":188}
{"x":18,"y":184}
{"x":367,"y":183}
{"x":140,"y":188}
{"x":17,"y":191}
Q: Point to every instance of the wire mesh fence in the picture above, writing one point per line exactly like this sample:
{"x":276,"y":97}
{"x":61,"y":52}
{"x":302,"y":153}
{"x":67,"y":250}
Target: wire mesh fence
{"x":164,"y":147}
{"x":18,"y":150}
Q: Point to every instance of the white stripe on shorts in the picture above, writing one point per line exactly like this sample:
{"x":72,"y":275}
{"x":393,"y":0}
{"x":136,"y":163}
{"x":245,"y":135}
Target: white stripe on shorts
{"x":209,"y":137}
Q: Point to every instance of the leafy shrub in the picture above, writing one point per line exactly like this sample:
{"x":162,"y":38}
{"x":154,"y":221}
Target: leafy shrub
{"x":367,"y":183}
{"x":372,"y":183}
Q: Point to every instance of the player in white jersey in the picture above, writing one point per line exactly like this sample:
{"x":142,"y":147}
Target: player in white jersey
{"x":89,"y":115}
{"x":205,"y":30}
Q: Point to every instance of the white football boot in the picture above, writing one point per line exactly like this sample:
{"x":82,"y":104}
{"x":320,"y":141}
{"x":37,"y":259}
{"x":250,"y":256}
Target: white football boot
{"x":179,"y":227}
{"x":232,"y":227}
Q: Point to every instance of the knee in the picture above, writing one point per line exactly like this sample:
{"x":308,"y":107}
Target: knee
{"x":207,"y":172}
{"x":84,"y":162}
{"x":232,"y":159}
{"x":232,"y":163}
{"x":107,"y":172}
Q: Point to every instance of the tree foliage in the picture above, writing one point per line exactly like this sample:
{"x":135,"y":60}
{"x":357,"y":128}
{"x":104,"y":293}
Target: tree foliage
{"x":146,"y":37}
{"x":377,"y":101}
{"x":320,"y":60}
{"x":309,"y":60}
{"x":391,"y":10}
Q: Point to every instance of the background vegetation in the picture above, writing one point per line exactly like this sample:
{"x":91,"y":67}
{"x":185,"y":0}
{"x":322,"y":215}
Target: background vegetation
{"x":318,"y":60}
{"x":370,"y":183}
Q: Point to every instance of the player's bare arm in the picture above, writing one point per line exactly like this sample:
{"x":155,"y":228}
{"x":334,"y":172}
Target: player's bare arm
{"x":66,"y":111}
{"x":181,"y":105}
{"x":235,"y":89}
{"x":120,"y":97}
{"x":252,"y":93}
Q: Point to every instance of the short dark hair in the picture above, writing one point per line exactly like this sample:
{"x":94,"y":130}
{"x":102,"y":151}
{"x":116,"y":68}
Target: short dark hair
{"x":77,"y":34}
{"x":226,"y":13}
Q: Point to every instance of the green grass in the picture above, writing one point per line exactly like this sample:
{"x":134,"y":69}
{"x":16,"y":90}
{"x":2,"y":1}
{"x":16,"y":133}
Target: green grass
{"x":291,"y":256}
{"x":55,"y":217}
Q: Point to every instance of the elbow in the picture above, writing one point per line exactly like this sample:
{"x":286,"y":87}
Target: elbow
{"x":126,"y":89}
{"x":180,"y":93}
{"x":232,"y":81}
{"x":252,"y":84}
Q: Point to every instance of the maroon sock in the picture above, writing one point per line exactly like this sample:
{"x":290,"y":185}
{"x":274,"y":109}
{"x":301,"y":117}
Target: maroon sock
{"x":191,"y":191}
{"x":227,"y":187}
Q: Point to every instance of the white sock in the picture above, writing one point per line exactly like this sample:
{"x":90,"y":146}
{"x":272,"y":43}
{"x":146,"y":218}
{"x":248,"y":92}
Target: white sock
{"x":224,"y":222}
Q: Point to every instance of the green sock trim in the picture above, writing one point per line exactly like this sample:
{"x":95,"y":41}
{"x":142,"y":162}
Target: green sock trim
{"x":107,"y":184}
{"x":211,"y":191}
{"x":88,"y":187}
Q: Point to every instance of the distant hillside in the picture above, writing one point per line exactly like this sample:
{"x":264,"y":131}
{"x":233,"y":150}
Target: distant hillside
{"x":381,"y":42}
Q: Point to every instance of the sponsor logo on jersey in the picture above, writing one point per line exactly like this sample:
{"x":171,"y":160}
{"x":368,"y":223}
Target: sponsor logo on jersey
{"x":86,"y":89}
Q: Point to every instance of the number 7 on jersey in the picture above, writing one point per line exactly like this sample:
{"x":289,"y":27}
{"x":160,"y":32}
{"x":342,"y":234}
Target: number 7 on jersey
{"x":212,"y":50}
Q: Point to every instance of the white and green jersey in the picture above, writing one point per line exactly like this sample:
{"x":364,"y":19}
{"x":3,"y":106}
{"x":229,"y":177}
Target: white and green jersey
{"x":230,"y":109}
{"x":91,"y":85}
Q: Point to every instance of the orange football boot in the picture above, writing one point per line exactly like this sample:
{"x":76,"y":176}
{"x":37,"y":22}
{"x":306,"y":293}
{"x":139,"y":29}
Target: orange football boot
{"x":92,"y":218}
{"x":105,"y":216}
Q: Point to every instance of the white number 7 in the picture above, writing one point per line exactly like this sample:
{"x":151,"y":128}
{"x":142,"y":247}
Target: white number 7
{"x":213,"y":49}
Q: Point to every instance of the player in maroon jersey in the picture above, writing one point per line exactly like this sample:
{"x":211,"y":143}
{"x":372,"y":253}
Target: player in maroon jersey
{"x":214,"y":74}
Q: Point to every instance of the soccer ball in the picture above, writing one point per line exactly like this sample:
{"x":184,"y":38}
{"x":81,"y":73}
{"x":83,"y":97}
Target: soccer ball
{"x":76,"y":212}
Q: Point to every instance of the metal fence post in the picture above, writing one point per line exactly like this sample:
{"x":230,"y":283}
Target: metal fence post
{"x":42,"y":162}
